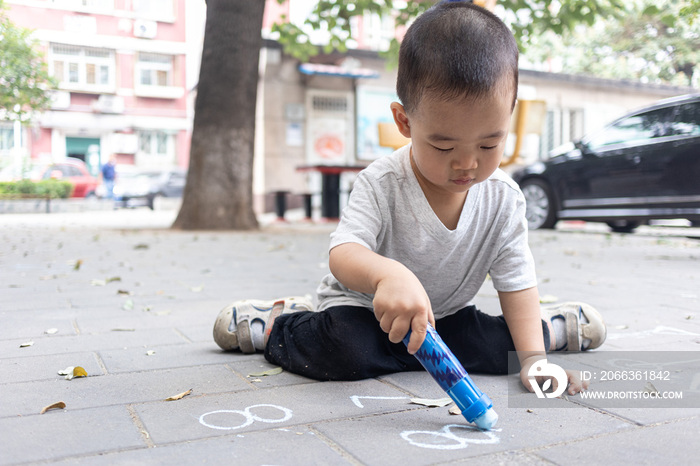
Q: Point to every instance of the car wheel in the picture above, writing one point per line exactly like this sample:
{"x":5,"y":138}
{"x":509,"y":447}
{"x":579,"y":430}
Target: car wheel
{"x":623,"y":226}
{"x":539,"y":204}
{"x":156,"y":202}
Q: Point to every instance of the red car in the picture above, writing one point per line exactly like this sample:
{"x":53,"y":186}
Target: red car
{"x":76,"y":172}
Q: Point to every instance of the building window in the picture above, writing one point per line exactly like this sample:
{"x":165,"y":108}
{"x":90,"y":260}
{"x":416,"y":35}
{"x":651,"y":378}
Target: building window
{"x":154,"y":69}
{"x":82,"y":68}
{"x":7,"y":138}
{"x":156,"y":145}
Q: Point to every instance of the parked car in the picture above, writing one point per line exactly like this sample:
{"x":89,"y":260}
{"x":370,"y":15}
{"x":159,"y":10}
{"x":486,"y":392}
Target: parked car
{"x":134,"y":188}
{"x":643,"y":166}
{"x":74,"y":171}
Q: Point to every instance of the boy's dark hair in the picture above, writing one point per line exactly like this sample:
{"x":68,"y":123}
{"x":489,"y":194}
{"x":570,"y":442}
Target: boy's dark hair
{"x":455,"y":49}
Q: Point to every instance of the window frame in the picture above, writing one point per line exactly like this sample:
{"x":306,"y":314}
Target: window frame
{"x":78,"y":65}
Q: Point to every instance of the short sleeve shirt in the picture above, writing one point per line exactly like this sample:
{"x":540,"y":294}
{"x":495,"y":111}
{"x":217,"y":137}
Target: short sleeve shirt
{"x":388,"y":213}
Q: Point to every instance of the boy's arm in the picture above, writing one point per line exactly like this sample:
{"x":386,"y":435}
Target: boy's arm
{"x":400,"y":301}
{"x":521,"y":310}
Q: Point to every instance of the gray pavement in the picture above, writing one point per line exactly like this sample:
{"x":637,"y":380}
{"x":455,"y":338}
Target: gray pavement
{"x":133,"y":303}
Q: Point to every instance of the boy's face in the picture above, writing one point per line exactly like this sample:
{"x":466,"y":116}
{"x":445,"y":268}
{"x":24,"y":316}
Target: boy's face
{"x":457,"y":143}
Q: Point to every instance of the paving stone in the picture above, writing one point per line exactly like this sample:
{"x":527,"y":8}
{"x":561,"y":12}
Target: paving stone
{"x":674,"y":442}
{"x":296,"y":446}
{"x":120,"y":389}
{"x":116,"y":339}
{"x":64,"y":433}
{"x":216,"y":415}
{"x":164,"y":357}
{"x":431,"y":435}
{"x":45,"y":367}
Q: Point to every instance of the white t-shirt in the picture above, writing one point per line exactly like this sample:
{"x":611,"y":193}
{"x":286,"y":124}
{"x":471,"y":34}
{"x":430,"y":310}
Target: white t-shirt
{"x":389,"y":214}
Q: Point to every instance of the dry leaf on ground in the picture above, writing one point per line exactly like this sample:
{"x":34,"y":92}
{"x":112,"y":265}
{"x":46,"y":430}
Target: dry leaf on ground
{"x":432,"y":403}
{"x":273,"y":371}
{"x":58,"y":405}
{"x":26,"y":344}
{"x":454,"y":410}
{"x":73,"y":371}
{"x":179,"y":396}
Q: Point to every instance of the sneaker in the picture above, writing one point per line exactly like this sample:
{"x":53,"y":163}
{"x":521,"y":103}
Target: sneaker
{"x":246,"y":325}
{"x":585,"y":328}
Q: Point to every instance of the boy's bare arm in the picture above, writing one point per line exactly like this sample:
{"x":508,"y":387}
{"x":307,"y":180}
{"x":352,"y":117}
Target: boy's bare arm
{"x":521,"y":310}
{"x":400,"y":301}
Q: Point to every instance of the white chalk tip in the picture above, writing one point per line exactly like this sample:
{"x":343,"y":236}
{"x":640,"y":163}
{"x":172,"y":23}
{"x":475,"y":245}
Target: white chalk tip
{"x":487,"y":420}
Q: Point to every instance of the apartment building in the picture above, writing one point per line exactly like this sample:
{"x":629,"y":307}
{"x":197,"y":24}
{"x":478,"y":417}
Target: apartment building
{"x":121,"y":67}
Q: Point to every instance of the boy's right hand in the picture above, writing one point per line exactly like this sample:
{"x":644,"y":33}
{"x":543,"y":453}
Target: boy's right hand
{"x":400,"y":301}
{"x":400,"y":304}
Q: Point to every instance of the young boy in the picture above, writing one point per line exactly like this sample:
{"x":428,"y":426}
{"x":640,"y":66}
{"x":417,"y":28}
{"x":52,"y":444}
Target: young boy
{"x":423,"y":228}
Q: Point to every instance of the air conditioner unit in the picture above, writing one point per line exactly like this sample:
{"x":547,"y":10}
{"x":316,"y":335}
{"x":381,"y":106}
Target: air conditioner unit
{"x":146,"y":29}
{"x":109,"y":104}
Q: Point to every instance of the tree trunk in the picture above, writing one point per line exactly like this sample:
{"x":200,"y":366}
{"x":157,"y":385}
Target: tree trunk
{"x":219,"y":190}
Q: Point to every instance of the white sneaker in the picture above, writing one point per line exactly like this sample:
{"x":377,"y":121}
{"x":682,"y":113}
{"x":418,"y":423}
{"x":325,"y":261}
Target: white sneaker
{"x":234,"y":327}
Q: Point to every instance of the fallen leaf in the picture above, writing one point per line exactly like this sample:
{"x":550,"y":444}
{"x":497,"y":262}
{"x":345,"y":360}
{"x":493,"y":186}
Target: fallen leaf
{"x":51,"y":331}
{"x":77,"y":265}
{"x":436,"y":403}
{"x":548,"y":298}
{"x":454,"y":410}
{"x":689,"y":317}
{"x":73,"y":371}
{"x":125,"y":292}
{"x":273,"y":371}
{"x":97,"y":282}
{"x":530,"y":411}
{"x":650,"y":388}
{"x":123,"y":329}
{"x":26,"y":344}
{"x":58,"y":405}
{"x":179,"y":396}
{"x":196,"y":289}
{"x":150,"y":353}
{"x":256,"y":380}
{"x":113,"y":279}
{"x":141,"y":246}
{"x":128,"y":305}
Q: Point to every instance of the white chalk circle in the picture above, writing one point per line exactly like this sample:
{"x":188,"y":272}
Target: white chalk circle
{"x":447,"y":434}
{"x":248,"y":415}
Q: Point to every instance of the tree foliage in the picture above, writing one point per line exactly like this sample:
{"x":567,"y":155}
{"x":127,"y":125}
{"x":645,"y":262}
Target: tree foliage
{"x":528,"y":19}
{"x":25,"y":83}
{"x":654,"y":42}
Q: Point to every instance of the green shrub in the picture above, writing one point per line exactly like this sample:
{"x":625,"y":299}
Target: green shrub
{"x":54,"y":189}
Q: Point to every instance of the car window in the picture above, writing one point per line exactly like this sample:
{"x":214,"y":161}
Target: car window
{"x":640,"y":127}
{"x":70,"y":170}
{"x":687,"y":120}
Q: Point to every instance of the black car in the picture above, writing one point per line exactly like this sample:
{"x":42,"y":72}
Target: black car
{"x":643,"y":166}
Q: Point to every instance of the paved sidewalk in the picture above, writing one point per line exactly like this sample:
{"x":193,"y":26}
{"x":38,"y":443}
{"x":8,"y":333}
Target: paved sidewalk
{"x":133,"y":303}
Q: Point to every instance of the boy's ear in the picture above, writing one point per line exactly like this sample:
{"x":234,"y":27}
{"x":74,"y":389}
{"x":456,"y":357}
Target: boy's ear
{"x":401,"y":119}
